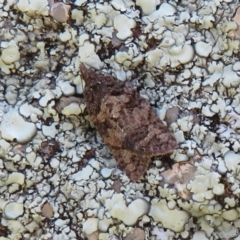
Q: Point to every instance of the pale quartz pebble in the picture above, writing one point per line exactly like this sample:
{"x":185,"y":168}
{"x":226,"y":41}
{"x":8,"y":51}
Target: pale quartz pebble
{"x":230,"y":215}
{"x":230,"y":201}
{"x":66,"y":88}
{"x":123,"y":25}
{"x":130,"y":214}
{"x":161,"y":213}
{"x":203,"y":49}
{"x":67,"y":126}
{"x":185,"y":234}
{"x":104,"y":224}
{"x":50,"y":131}
{"x":15,"y":178}
{"x":72,"y":109}
{"x":90,"y":226}
{"x":182,"y":54}
{"x":87,"y":55}
{"x":180,"y":157}
{"x":80,"y":84}
{"x":10,"y":54}
{"x":31,"y":157}
{"x":60,"y":222}
{"x":13,"y":210}
{"x":236,"y":66}
{"x":179,"y":136}
{"x":106,"y":172}
{"x":4,"y":67}
{"x":199,"y":235}
{"x":232,"y":160}
{"x":60,"y":11}
{"x":171,"y":205}
{"x":147,"y":7}
{"x":77,"y":15}
{"x":54,"y":163}
{"x":218,"y":189}
{"x":230,"y":79}
{"x":95,"y":164}
{"x":14,"y":127}
{"x":221,"y":166}
{"x":83,"y":174}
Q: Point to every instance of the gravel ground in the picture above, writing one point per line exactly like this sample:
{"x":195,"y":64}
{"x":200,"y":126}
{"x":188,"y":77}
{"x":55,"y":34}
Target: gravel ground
{"x":58,"y":179}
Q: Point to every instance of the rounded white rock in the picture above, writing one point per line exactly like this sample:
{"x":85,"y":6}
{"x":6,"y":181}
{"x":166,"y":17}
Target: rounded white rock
{"x":14,"y":127}
{"x":199,"y":235}
{"x":90,"y":226}
{"x":83,"y":174}
{"x":106,"y":172}
{"x":67,"y":88}
{"x":54,"y":163}
{"x":123,"y":25}
{"x":230,"y":215}
{"x":203,"y":49}
{"x":72,"y":109}
{"x":130,"y":214}
{"x":232,"y":160}
{"x":13,"y":210}
{"x":15,"y":177}
{"x":218,"y":189}
{"x":11,"y":53}
{"x":147,"y":7}
{"x":161,"y":213}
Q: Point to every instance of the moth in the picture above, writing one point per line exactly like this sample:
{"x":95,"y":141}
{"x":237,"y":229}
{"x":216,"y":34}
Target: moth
{"x":127,"y":123}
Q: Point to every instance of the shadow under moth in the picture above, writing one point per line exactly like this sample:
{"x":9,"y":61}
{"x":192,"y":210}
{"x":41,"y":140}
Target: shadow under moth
{"x":127,"y":123}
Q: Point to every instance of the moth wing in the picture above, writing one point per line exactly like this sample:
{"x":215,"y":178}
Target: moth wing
{"x":132,"y":164}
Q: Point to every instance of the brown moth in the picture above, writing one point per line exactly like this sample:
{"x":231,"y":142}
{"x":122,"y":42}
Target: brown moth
{"x":127,"y":123}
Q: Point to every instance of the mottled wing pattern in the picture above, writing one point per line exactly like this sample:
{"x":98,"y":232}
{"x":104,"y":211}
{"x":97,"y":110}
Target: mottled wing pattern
{"x":126,"y":122}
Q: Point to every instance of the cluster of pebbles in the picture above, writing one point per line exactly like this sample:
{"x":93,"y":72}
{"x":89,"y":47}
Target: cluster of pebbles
{"x":58,"y":179}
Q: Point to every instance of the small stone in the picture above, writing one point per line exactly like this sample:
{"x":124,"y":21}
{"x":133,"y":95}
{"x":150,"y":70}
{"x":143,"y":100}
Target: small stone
{"x":130,"y":214}
{"x":10,"y":54}
{"x":60,"y":11}
{"x":203,"y":49}
{"x":84,"y":174}
{"x":230,"y":215}
{"x":90,"y":226}
{"x":16,"y":178}
{"x":13,"y":210}
{"x":123,"y":25}
{"x":106,"y":172}
{"x":47,"y":210}
{"x":15,"y":128}
{"x":161,"y":213}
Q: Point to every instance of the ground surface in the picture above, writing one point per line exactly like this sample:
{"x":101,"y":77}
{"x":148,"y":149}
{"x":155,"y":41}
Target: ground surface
{"x":58,"y":179}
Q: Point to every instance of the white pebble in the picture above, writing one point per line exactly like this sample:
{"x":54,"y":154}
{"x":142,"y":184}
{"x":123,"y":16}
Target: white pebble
{"x":13,"y":210}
